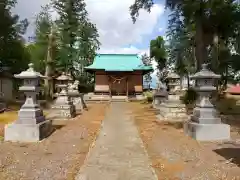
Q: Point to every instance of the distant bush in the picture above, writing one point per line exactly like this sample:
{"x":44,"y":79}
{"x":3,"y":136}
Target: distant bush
{"x":86,"y":88}
{"x":149,"y":96}
{"x":190,"y":96}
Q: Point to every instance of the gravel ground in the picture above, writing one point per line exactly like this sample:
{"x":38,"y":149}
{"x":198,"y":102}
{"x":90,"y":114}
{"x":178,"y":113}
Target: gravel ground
{"x":176,"y":156}
{"x":56,"y":158}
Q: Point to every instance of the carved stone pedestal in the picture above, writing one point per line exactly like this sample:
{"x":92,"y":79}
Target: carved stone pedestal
{"x":31,"y":125}
{"x":172,"y":110}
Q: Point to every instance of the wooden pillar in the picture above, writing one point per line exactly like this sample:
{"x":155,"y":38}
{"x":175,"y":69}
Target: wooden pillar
{"x":110,"y":87}
{"x":127,"y":86}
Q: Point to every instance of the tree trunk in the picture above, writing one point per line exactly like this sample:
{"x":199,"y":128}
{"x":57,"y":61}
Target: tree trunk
{"x":181,"y":82}
{"x":48,"y":83}
{"x":201,"y":50}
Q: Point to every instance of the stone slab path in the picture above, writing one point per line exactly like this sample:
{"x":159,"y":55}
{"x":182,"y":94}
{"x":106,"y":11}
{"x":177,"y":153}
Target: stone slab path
{"x":118,"y":153}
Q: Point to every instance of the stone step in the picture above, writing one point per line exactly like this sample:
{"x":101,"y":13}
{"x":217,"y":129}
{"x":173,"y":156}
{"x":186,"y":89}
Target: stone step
{"x":119,"y":98}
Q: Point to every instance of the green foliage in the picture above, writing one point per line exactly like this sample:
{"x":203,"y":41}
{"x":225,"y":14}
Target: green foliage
{"x":190,"y":96}
{"x":181,"y":41}
{"x":12,"y":50}
{"x":78,"y":37}
{"x":73,"y":43}
{"x":148,"y":95}
{"x":158,"y":52}
{"x":193,"y":29}
{"x":147,"y":62}
{"x":39,"y":48}
{"x":86,"y":88}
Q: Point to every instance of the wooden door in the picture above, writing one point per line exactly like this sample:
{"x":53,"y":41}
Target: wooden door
{"x":118,"y":85}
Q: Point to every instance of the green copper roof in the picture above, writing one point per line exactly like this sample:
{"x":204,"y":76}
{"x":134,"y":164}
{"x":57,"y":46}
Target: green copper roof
{"x":118,"y":62}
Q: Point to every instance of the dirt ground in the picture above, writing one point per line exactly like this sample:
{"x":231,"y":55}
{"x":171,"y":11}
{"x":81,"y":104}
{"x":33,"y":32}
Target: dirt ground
{"x":57,"y":157}
{"x":175,"y":156}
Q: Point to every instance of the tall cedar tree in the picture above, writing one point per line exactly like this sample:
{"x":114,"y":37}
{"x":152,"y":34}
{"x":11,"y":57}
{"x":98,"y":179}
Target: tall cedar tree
{"x":38,"y":49}
{"x":78,"y":36}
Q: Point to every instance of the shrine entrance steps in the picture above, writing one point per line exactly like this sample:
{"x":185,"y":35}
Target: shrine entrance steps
{"x":118,"y":153}
{"x":119,"y":99}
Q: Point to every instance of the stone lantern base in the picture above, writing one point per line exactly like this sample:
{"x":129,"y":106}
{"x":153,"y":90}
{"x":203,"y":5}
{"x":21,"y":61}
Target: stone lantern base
{"x":207,"y":132}
{"x":31,"y":126}
{"x":27,"y":132}
{"x":172,"y":110}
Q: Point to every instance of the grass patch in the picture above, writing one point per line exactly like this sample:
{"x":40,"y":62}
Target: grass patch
{"x":8,"y":117}
{"x":228,"y":105}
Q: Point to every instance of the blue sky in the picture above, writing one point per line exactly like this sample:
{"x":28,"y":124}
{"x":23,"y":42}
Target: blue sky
{"x":158,"y":30}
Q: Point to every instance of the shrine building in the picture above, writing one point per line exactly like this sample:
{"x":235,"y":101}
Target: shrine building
{"x":118,"y":74}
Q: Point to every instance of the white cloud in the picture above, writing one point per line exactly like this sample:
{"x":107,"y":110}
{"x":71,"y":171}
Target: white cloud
{"x":28,"y":9}
{"x":126,"y":50}
{"x":114,"y":23}
{"x":112,"y":18}
{"x":160,"y":29}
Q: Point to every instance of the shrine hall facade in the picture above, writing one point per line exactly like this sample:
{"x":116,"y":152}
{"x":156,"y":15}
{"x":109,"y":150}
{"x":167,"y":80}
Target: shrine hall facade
{"x":118,"y":74}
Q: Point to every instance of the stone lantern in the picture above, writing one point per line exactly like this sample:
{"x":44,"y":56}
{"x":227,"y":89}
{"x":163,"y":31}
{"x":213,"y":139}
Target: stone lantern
{"x":31,"y":125}
{"x":63,"y":107}
{"x":173,"y":82}
{"x":160,"y":95}
{"x":172,"y":109}
{"x":204,"y":124}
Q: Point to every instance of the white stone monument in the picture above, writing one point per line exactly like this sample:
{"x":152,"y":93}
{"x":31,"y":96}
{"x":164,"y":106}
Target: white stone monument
{"x":31,"y":125}
{"x":204,"y":124}
{"x":63,"y":108}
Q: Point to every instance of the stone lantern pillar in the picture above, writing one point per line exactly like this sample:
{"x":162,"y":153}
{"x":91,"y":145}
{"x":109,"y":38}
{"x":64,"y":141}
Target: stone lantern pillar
{"x":63,"y":107}
{"x":31,"y":125}
{"x":172,"y":109}
{"x":204,"y":124}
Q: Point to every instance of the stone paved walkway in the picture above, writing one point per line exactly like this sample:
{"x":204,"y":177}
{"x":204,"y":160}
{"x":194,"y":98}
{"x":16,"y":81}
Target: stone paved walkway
{"x":118,"y":153}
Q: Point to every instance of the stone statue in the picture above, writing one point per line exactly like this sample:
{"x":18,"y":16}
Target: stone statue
{"x":73,"y":86}
{"x":76,"y":97}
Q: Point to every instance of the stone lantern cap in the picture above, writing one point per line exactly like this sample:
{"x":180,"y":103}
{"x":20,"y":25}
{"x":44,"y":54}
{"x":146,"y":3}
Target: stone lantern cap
{"x":64,"y":77}
{"x":30,"y":73}
{"x":173,"y":75}
{"x":205,"y":73}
